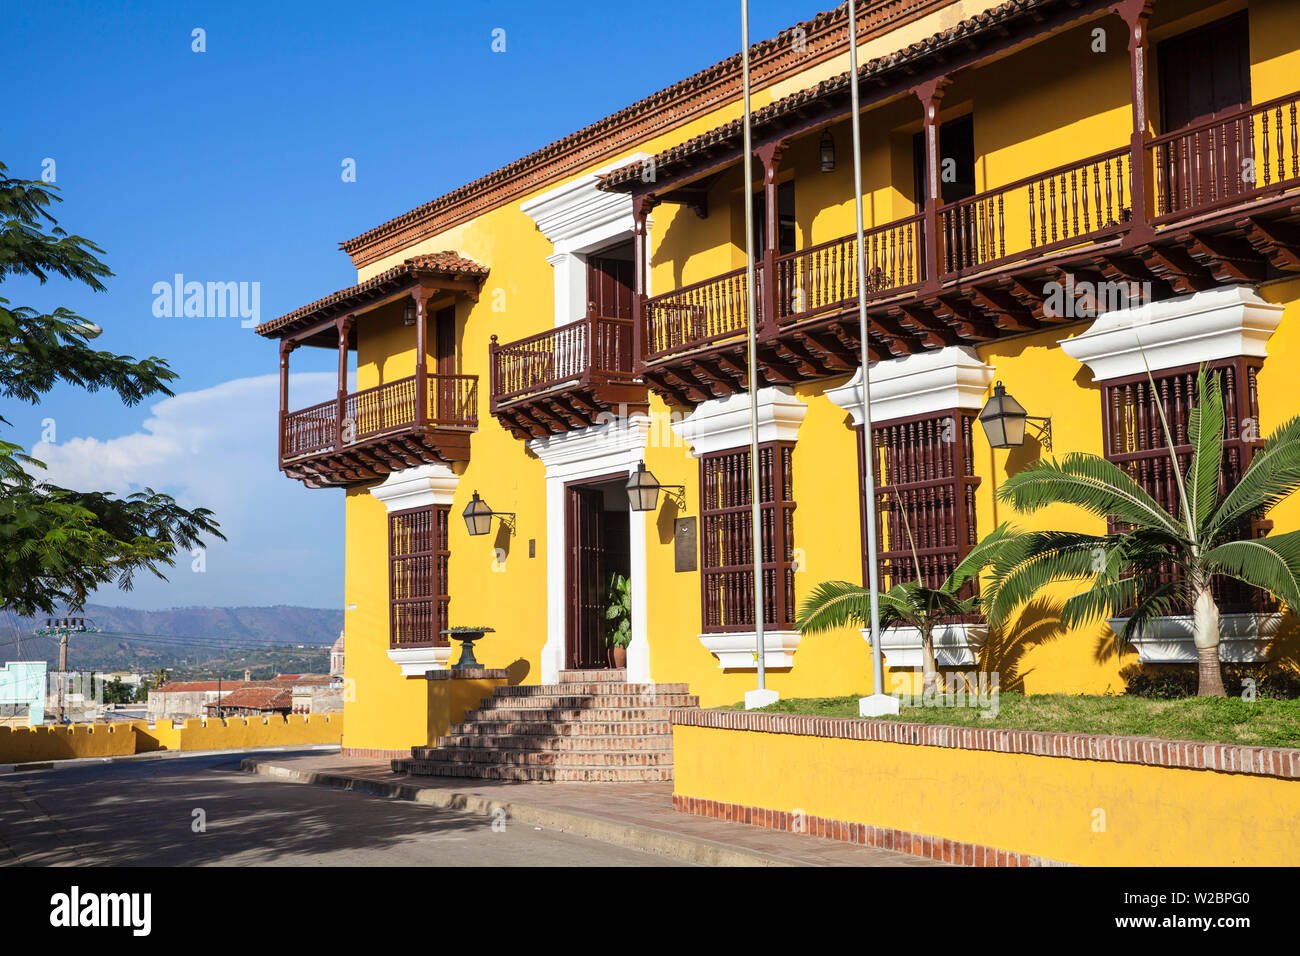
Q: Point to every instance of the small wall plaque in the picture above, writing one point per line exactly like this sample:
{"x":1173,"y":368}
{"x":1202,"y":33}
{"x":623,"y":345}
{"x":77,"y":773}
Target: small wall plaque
{"x":684,"y":544}
{"x":532,"y":547}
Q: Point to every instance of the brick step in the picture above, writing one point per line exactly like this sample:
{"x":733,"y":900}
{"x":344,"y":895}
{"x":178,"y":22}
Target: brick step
{"x":567,"y":714}
{"x":548,"y":758}
{"x":611,"y":674}
{"x":584,"y":730}
{"x":588,"y":701}
{"x":592,"y":743}
{"x":591,"y":687}
{"x":428,"y":768}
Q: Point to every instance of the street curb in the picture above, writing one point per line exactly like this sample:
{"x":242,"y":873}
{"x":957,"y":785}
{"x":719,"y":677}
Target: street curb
{"x":630,"y":836}
{"x":66,"y":762}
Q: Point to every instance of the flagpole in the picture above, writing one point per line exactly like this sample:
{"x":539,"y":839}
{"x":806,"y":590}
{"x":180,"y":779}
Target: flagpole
{"x":762,"y":696}
{"x":879,"y":702}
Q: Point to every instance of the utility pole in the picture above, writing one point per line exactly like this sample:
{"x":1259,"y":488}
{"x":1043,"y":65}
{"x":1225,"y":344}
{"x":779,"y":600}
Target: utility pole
{"x":63,"y":666}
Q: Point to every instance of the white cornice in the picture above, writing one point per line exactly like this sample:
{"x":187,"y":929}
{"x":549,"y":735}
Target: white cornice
{"x":953,"y":377}
{"x":418,"y":487}
{"x":739,"y":651}
{"x":1215,"y":324}
{"x":723,"y":423}
{"x":577,"y":214}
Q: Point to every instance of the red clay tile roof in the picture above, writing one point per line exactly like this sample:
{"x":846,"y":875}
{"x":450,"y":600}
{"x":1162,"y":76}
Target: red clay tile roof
{"x":821,"y":37}
{"x":182,"y":687}
{"x":445,"y":265}
{"x":769,"y":118}
{"x":256,"y":698}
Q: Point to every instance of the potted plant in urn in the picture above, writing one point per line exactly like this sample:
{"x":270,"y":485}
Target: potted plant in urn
{"x":618,"y":618}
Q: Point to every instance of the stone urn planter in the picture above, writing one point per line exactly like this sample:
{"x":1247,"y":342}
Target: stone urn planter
{"x":467,"y":636}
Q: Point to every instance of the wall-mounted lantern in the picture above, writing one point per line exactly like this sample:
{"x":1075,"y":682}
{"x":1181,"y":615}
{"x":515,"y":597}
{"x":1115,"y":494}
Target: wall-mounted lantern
{"x":1004,"y":421}
{"x":643,"y":490}
{"x":478,"y":517}
{"x":827,"y":150}
{"x":408,"y":313}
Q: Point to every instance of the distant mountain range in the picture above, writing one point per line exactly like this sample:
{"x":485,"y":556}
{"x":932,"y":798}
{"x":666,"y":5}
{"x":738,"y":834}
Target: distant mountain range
{"x":184,"y":637}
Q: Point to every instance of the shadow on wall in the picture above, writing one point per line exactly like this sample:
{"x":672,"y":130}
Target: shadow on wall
{"x":1039,"y":623}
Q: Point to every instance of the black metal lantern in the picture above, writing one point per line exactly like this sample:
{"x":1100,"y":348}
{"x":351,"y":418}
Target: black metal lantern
{"x":643,"y":490}
{"x":478,"y":516}
{"x":408,"y":314}
{"x":1004,"y":421}
{"x":827,"y":149}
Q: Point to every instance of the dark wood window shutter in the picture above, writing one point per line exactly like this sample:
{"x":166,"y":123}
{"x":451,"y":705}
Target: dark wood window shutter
{"x":417,"y":574}
{"x":1135,"y":440}
{"x":726,"y":551}
{"x":924,"y":468}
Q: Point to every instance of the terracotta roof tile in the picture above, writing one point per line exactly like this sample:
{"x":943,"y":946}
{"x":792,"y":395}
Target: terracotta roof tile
{"x":730,"y":135}
{"x":448,"y":265}
{"x":256,"y":698}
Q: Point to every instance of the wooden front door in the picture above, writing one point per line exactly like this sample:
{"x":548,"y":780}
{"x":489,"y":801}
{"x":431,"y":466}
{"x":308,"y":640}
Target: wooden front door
{"x":584,"y":579}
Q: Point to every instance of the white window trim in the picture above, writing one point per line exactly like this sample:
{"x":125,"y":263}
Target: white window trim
{"x":723,"y":424}
{"x":955,"y":645}
{"x":948,"y":378}
{"x":1243,"y":638}
{"x":1224,"y":323}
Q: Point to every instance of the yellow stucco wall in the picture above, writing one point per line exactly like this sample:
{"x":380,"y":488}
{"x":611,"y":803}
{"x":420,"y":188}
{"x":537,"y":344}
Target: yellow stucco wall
{"x":1087,"y":812}
{"x":24,"y":744}
{"x":1021,"y":128}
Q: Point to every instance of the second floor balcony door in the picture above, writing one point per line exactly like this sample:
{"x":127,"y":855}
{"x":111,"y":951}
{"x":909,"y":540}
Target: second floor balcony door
{"x":609,"y":283}
{"x":956,"y":181}
{"x":1203,"y":73}
{"x":444,"y":363}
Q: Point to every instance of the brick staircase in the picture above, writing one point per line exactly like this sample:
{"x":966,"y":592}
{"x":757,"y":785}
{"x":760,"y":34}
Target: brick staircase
{"x":591,"y":727}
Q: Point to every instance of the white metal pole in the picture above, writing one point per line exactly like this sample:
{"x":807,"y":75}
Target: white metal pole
{"x":878,"y":703}
{"x":761,"y":696}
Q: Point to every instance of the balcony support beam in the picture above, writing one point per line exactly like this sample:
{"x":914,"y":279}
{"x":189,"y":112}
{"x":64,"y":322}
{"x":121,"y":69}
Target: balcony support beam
{"x":421,"y":297}
{"x":1137,"y":14}
{"x":286,"y":347}
{"x":930,"y":93}
{"x":641,"y":206}
{"x":769,"y":154}
{"x":344,"y":325}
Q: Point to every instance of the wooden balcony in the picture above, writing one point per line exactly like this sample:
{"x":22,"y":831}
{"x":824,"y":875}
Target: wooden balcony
{"x":981,"y":269}
{"x":380,"y":430}
{"x":564,"y":378}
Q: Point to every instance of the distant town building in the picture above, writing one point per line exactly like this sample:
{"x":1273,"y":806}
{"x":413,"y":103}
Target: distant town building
{"x":180,"y":700}
{"x":22,"y":694}
{"x":282,"y":694}
{"x":314,"y":697}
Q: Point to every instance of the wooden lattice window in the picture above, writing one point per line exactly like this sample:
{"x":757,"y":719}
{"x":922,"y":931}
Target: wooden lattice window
{"x":726,"y":548}
{"x":924,"y":467}
{"x":417,"y":572}
{"x":1134,"y":439}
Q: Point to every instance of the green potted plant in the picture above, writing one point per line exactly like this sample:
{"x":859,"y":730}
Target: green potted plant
{"x":618,"y":618}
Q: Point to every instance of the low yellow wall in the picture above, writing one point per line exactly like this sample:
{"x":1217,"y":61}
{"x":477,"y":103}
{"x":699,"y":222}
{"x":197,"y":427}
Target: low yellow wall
{"x":450,"y":699}
{"x":26,"y":744}
{"x":1087,"y":812}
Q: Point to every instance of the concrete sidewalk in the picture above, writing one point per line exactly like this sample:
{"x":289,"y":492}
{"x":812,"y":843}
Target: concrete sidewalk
{"x":634,"y":815}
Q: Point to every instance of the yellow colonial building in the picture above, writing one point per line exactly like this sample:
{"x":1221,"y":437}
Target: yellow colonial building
{"x":1055,"y":193}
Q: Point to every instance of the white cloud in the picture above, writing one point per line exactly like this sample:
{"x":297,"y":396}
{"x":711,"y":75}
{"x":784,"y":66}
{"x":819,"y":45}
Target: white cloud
{"x":216,"y":448}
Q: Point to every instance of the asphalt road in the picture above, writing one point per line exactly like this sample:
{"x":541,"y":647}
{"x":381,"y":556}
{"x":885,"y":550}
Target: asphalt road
{"x":203,"y":811}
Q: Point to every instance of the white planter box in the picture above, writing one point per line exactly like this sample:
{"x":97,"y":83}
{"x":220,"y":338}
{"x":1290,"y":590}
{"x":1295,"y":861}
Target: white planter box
{"x":1243,"y":638}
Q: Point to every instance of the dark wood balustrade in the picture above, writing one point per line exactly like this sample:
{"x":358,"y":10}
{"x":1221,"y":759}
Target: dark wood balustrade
{"x":1071,"y":204}
{"x":384,"y":410}
{"x":593,"y":346}
{"x":1217,"y":205}
{"x":1225,"y":161}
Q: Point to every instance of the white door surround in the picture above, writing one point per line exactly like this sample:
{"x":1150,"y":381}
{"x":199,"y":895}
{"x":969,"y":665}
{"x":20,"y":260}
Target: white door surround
{"x":592,"y":453}
{"x":580,"y":219}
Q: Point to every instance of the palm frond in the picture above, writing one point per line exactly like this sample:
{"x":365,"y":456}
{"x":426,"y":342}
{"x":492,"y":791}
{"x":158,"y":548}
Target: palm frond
{"x":1205,"y":432}
{"x":1271,"y":563}
{"x":834,"y":604}
{"x":1088,"y":482}
{"x":1273,"y":475}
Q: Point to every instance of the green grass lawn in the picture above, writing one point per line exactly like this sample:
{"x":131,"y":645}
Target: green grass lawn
{"x":1267,"y":723}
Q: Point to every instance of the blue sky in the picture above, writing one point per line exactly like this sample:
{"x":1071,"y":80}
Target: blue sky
{"x":225,"y":166}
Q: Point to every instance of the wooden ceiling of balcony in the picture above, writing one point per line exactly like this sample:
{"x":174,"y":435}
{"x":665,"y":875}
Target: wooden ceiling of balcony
{"x":373,"y":458}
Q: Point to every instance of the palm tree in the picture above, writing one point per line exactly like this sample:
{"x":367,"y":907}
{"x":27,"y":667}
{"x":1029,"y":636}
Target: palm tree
{"x":1129,"y":570}
{"x":834,"y":604}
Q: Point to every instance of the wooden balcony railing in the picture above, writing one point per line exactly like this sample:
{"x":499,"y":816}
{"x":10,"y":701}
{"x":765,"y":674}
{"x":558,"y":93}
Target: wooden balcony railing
{"x":699,"y":314}
{"x":1072,"y":204}
{"x":1245,"y":155}
{"x":384,"y":409}
{"x":824,"y":277}
{"x":595,"y":346}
